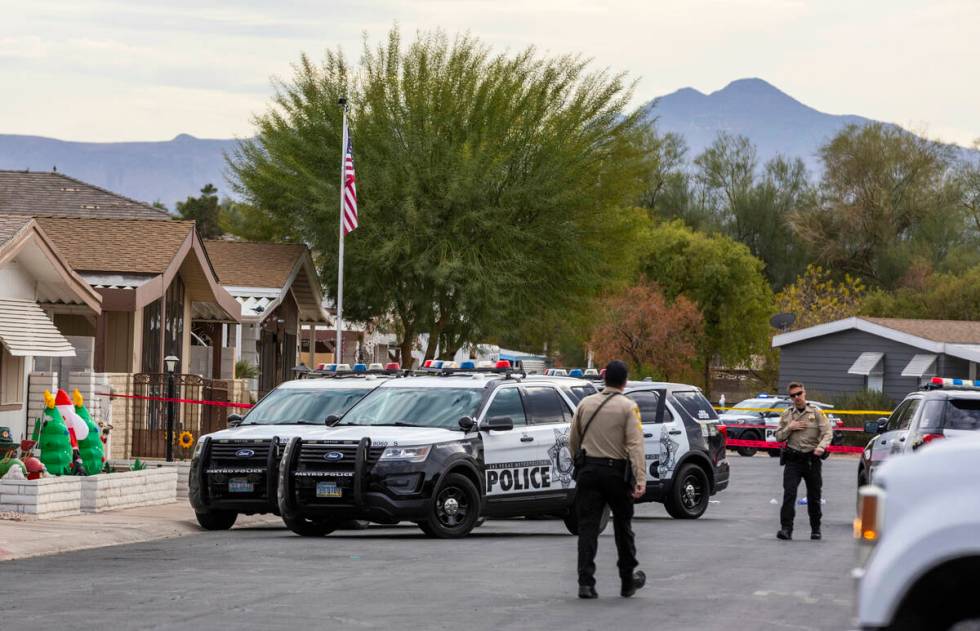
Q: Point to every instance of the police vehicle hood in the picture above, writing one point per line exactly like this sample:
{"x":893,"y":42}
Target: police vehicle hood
{"x":387,"y":435}
{"x":740,"y":417}
{"x":263,"y":432}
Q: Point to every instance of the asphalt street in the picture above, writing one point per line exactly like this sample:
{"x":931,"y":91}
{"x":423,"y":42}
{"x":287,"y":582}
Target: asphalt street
{"x":723,"y":571}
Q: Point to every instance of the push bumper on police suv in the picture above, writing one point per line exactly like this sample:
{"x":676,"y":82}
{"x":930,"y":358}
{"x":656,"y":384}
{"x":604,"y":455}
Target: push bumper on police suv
{"x":348,"y":479}
{"x":235,"y":475}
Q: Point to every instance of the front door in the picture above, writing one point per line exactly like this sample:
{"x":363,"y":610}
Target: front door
{"x":506,"y":453}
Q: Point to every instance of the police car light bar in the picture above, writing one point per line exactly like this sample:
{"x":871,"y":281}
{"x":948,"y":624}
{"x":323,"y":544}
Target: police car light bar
{"x":342,"y":367}
{"x":393,"y":366}
{"x":960,"y":384}
{"x":575,"y":372}
{"x":591,"y":372}
{"x":467,"y":365}
{"x":375,"y":366}
{"x":360,"y":367}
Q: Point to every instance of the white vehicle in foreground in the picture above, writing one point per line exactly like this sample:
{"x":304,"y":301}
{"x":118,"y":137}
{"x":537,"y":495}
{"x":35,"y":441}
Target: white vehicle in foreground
{"x":920,"y":522}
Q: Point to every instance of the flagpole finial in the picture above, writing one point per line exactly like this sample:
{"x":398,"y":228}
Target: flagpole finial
{"x":342,"y":101}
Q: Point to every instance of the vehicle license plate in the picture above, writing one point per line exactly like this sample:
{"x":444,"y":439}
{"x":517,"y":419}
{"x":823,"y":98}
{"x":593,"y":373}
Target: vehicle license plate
{"x":770,"y":435}
{"x":240,"y":485}
{"x":328,"y":489}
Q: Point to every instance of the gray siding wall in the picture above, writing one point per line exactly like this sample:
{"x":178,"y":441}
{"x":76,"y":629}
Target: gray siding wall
{"x":821,"y":364}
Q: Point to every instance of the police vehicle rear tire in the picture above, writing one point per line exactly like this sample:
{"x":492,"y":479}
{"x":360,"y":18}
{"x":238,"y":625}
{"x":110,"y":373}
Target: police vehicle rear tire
{"x":454,"y":510}
{"x":571,"y":520}
{"x":747,"y":452}
{"x":217,"y":519}
{"x":306,"y":527}
{"x":688,"y":497}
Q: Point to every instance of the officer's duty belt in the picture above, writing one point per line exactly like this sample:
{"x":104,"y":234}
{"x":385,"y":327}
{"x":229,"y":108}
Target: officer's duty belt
{"x":606,"y":462}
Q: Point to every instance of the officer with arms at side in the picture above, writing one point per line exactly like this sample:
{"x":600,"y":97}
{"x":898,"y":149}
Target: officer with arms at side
{"x":807,"y":433}
{"x":606,"y":440}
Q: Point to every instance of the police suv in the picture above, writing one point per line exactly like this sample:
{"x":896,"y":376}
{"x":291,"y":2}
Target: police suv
{"x":235,"y":470}
{"x":944,"y":408}
{"x":447,"y":449}
{"x":441,"y":450}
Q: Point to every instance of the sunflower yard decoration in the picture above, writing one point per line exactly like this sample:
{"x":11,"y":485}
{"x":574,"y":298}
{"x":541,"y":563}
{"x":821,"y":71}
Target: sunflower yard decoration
{"x":185,"y":440}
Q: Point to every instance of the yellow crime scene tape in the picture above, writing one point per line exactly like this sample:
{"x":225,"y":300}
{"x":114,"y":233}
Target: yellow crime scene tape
{"x":828,"y":410}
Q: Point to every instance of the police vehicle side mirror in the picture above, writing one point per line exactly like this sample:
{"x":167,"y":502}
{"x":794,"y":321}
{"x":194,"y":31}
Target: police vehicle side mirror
{"x":498,"y":423}
{"x":875,"y":427}
{"x":467,"y":423}
{"x":234,"y":420}
{"x":331,"y":420}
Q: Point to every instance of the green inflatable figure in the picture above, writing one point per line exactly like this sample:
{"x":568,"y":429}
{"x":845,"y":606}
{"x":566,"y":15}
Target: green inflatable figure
{"x":55,"y":443}
{"x":90,"y":448}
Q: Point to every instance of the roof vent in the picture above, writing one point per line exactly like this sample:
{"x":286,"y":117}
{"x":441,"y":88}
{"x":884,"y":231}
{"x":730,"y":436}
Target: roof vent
{"x":69,"y":189}
{"x":90,"y":206}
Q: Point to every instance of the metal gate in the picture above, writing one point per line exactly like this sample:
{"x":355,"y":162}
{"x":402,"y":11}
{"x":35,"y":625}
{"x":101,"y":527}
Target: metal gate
{"x":150,"y":416}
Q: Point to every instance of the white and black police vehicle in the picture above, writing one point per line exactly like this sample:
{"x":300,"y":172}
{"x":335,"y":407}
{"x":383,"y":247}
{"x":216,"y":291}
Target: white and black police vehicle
{"x":442,"y":449}
{"x":447,"y":449}
{"x":684,"y":444}
{"x":235,"y":471}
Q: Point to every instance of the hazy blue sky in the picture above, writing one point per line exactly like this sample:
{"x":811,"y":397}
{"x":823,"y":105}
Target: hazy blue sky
{"x":129,"y":69}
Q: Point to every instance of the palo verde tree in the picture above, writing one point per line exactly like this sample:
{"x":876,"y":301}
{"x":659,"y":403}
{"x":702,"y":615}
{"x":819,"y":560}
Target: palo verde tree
{"x":490,"y":187}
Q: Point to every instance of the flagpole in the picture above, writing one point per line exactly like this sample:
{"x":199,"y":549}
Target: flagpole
{"x":338,"y":353}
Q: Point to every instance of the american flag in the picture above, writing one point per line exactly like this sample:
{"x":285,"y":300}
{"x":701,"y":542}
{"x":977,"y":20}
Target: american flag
{"x":350,"y":191}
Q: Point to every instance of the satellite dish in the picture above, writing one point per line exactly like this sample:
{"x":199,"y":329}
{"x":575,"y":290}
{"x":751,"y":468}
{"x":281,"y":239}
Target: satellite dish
{"x":782,"y":321}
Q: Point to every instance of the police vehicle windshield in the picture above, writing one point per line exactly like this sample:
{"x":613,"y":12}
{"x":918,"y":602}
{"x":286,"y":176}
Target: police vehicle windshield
{"x":297,"y":406}
{"x":416,"y":407}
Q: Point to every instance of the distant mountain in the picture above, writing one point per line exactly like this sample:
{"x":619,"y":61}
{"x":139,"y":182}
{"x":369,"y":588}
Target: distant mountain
{"x":776,"y":122}
{"x":167,"y":171}
{"x":173,"y":170}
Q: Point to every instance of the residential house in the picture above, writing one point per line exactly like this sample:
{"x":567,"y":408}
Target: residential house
{"x":43,"y":194}
{"x":277,"y":287}
{"x":36,"y":285}
{"x":155,"y":279}
{"x":890,"y":355}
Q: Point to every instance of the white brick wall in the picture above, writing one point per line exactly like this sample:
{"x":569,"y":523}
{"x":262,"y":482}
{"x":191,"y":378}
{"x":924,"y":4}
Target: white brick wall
{"x":127,"y":489}
{"x":42,"y":499}
{"x":183,"y":468}
{"x":38,"y":382}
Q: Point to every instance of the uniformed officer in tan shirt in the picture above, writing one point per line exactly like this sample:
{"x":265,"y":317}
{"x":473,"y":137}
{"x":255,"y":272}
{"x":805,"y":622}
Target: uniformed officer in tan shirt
{"x":607,"y":426}
{"x":807,"y":434}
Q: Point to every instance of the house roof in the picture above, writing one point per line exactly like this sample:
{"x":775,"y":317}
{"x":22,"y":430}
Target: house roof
{"x":23,"y":242}
{"x":248,"y":264}
{"x":42,"y":194}
{"x":958,"y":338}
{"x":261,"y":275}
{"x":117,"y":245}
{"x":10,"y":225}
{"x":952,"y":331}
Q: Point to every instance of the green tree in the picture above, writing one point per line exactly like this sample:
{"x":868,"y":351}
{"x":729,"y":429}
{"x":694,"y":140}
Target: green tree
{"x":816,"y":297}
{"x":726,"y":283}
{"x":753,"y":205}
{"x":887,"y":198}
{"x":205,"y":211}
{"x":491,"y":187}
{"x":937,"y":296}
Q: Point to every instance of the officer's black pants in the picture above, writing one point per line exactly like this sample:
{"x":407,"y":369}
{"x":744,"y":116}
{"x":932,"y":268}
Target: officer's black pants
{"x":806,"y":467}
{"x":597,"y":486}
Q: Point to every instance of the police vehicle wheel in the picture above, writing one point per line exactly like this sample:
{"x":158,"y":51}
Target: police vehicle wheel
{"x":688,"y":497}
{"x":217,"y":519}
{"x":571,"y":520}
{"x":311,"y":527}
{"x":455,"y":510}
{"x":748,"y":452}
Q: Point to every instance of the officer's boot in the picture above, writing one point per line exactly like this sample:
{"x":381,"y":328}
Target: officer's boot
{"x":637,"y":581}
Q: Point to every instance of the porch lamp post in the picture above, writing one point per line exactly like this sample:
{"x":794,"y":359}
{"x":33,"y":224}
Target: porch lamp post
{"x":170,"y":366}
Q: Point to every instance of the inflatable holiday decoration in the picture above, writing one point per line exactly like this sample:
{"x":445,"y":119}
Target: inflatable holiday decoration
{"x":89,"y":448}
{"x":54,"y":441}
{"x":74,"y":422}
